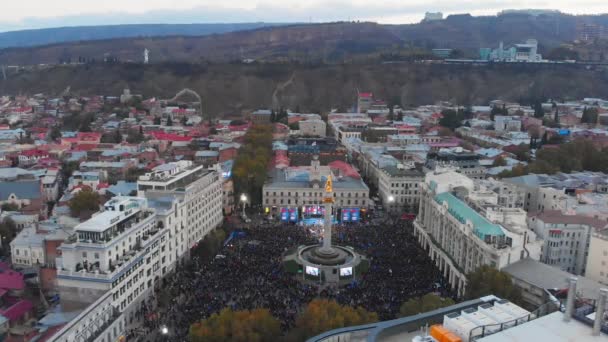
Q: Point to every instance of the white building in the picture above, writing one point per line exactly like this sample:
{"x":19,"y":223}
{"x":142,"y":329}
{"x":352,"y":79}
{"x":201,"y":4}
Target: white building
{"x":567,"y":238}
{"x":89,"y":178}
{"x":507,"y":123}
{"x":597,"y":262}
{"x":27,"y":249}
{"x":99,"y":322}
{"x":121,"y":250}
{"x":196,"y":195}
{"x":398,"y":187}
{"x":313,"y":128}
{"x":462,"y":227}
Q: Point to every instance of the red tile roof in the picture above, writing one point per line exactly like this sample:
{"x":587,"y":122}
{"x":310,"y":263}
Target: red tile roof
{"x":17,"y":310}
{"x":169,"y":136}
{"x":11,"y":280}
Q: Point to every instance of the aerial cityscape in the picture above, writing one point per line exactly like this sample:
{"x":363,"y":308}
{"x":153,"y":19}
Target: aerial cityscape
{"x":414,"y":176}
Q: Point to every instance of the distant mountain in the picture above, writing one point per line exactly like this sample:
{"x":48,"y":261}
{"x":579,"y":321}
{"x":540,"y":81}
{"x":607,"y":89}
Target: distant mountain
{"x":36,"y":37}
{"x":340,"y":42}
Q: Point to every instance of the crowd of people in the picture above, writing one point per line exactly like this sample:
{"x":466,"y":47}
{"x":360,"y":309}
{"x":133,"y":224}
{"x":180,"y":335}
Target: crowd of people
{"x":247,"y":273}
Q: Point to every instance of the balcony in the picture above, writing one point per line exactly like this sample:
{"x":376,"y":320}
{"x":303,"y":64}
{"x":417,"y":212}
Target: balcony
{"x":120,"y":230}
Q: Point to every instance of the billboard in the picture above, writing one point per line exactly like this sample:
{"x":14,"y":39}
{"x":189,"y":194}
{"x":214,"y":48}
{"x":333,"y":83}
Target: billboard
{"x":284,"y":215}
{"x":346,"y":272}
{"x":312,"y":271}
{"x":351,"y":215}
{"x":293,"y":214}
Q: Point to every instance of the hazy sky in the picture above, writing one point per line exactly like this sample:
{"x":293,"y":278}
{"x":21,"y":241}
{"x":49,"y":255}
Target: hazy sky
{"x":24,"y":14}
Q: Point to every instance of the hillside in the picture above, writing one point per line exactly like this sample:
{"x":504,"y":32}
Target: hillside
{"x":296,"y":41}
{"x":25,"y":38}
{"x":328,"y":43}
{"x":232,"y":88}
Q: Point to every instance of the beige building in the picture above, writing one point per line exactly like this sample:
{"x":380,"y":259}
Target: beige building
{"x":597,"y":262}
{"x":313,"y":128}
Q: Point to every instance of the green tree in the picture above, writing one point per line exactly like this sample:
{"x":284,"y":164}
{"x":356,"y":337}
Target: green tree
{"x":8,"y":231}
{"x":135,"y":137}
{"x":55,"y":133}
{"x":10,"y":207}
{"x":539,"y":112}
{"x":425,"y":303}
{"x":487,"y":280}
{"x":251,"y":164}
{"x":239,"y":326}
{"x":451,"y":119}
{"x":556,"y":116}
{"x":321,"y":315}
{"x":169,"y":121}
{"x":157,"y":120}
{"x":84,"y":203}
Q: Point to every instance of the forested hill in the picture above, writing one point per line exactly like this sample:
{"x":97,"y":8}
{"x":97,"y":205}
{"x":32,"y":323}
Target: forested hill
{"x":340,"y":42}
{"x":25,"y":38}
{"x":232,"y":88}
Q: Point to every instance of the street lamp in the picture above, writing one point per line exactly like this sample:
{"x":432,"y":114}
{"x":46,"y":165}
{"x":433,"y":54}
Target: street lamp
{"x":243,"y":201}
{"x":390,"y":200}
{"x":164,"y":330}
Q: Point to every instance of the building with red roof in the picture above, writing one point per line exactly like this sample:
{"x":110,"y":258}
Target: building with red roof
{"x":170,"y":137}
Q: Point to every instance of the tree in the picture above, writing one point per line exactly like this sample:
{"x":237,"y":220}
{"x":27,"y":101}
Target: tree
{"x":135,"y":137}
{"x":157,"y":120}
{"x":84,"y":203}
{"x":10,"y":207}
{"x":487,"y":280}
{"x":8,"y":231}
{"x":425,"y":303}
{"x":55,"y":133}
{"x":543,"y":139}
{"x":169,"y":121}
{"x":500,"y":161}
{"x":556,"y":116}
{"x":240,"y":326}
{"x":539,"y":112}
{"x":451,"y":119}
{"x":589,"y":115}
{"x":321,"y":315}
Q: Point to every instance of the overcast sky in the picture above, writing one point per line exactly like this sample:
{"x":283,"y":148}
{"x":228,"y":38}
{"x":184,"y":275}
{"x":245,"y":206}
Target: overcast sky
{"x":26,"y":14}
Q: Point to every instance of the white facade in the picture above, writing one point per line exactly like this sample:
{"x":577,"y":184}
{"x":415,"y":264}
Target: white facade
{"x":597,"y":262}
{"x":121,"y":250}
{"x":398,"y":188}
{"x":313,"y":128}
{"x":99,"y":322}
{"x":462,"y":228}
{"x":566,"y":239}
{"x":27,"y":249}
{"x":197,"y":194}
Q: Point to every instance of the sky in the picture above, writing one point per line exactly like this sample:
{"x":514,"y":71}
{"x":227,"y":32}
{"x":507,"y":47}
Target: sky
{"x":29,"y":14}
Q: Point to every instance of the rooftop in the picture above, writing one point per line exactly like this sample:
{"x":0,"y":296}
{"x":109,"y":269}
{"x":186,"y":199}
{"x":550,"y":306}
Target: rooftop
{"x":463,"y":213}
{"x":548,"y":277}
{"x":547,"y":328}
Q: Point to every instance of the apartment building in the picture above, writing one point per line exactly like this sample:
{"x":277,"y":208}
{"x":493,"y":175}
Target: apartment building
{"x":399,"y":187}
{"x":122,"y":250}
{"x":566,"y":238}
{"x":597,"y":261}
{"x":196,"y":196}
{"x":462,"y":227}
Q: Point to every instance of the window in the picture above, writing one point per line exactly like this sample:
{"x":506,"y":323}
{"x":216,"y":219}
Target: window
{"x":96,"y":255}
{"x":84,"y":254}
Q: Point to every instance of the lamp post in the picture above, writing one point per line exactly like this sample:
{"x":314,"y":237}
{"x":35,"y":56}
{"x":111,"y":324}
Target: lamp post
{"x":164,"y":330}
{"x":243,"y":201}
